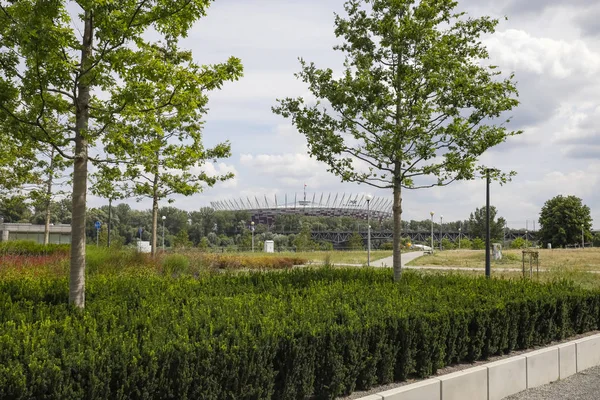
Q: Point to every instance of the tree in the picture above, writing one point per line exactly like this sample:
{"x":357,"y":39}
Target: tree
{"x":355,"y":242}
{"x":74,"y":91}
{"x":164,"y":151}
{"x":415,"y":104}
{"x":562,"y":219}
{"x":303,"y":240}
{"x":15,"y":209}
{"x":50,"y":168}
{"x":477,"y":226}
{"x":182,"y":240}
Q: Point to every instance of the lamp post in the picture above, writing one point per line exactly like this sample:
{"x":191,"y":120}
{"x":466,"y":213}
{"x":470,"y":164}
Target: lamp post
{"x":252,"y":229}
{"x":432,"y":214}
{"x":163,"y":235}
{"x":459,"y":229}
{"x":526,"y":231}
{"x":488,"y":265}
{"x":441,"y":227}
{"x":582,"y":238}
{"x":369,"y":197}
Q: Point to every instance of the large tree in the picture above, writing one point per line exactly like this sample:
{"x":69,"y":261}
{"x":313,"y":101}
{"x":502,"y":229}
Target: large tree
{"x":477,"y":226}
{"x":562,"y":220}
{"x":95,"y":67}
{"x":415,"y":105}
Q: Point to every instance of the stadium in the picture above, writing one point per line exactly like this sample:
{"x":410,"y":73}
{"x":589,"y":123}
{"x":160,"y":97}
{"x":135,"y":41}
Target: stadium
{"x":321,"y":205}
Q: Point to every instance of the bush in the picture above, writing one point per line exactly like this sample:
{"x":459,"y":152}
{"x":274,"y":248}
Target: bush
{"x":447,"y":244}
{"x":290,"y":335}
{"x":465,"y":243}
{"x":175,"y":265}
{"x":478,"y":244}
{"x":520,"y":243}
{"x":31,"y":248}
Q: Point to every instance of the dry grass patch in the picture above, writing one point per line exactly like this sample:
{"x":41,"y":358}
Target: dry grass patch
{"x":570,"y":259}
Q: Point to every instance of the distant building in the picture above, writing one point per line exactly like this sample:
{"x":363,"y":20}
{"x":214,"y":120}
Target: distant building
{"x":59,"y":234}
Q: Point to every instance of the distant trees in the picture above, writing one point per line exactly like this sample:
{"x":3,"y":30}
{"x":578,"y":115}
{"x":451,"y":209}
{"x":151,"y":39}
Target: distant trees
{"x":477,"y":224}
{"x":562,"y":221}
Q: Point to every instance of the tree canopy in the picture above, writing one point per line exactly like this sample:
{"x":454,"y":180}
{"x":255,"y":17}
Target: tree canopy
{"x":77,"y":75}
{"x":477,"y":224}
{"x":562,"y":221}
{"x":415,"y":104}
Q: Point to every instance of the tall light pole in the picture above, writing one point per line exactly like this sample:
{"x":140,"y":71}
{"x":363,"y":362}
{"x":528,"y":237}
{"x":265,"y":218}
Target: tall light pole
{"x":252,"y":229}
{"x":582,"y":238}
{"x":459,"y":229}
{"x":432,"y":214}
{"x":488,"y":264}
{"x":369,"y":197}
{"x":441,"y":227}
{"x":163,"y":235}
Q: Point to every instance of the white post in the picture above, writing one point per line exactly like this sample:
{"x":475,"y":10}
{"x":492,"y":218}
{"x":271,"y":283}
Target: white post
{"x":431,"y":213}
{"x":252,"y":229}
{"x":163,"y":235}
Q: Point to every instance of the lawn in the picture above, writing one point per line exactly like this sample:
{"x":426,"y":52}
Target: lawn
{"x":556,"y":259}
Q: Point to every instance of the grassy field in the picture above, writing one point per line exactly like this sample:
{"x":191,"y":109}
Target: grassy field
{"x":557,"y":259}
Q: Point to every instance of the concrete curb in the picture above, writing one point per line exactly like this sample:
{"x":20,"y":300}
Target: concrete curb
{"x":500,"y":379}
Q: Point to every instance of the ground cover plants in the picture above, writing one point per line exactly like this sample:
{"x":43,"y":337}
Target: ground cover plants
{"x":292,"y":334}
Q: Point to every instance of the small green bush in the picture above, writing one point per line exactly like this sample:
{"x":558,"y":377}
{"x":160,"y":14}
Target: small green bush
{"x":465,"y":243}
{"x":477,"y":244}
{"x":175,"y":265}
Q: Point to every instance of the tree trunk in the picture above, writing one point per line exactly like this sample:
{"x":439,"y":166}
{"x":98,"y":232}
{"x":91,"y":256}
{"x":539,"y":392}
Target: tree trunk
{"x":397,"y":210}
{"x":80,"y":174}
{"x":154,"y":224}
{"x":48,"y":199}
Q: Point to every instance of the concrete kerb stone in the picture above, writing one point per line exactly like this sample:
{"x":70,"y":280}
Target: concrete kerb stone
{"x":542,"y":367}
{"x":588,"y":352}
{"x":425,"y":390}
{"x":469,"y":384}
{"x":506,"y":377}
{"x":567,"y":360}
{"x":502,"y":378}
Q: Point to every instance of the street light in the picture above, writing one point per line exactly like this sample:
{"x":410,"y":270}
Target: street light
{"x":582,"y":238}
{"x":432,"y":214}
{"x":369,"y":198}
{"x":459,"y":229}
{"x":441,"y":225}
{"x":252,"y":229}
{"x":163,"y":235}
{"x":488,"y":264}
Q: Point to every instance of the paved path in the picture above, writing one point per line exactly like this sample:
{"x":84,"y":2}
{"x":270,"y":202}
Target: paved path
{"x":405,"y":258}
{"x":583,"y":386}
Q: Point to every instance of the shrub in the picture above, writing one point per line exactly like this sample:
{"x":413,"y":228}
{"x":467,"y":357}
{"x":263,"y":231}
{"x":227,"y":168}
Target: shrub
{"x":175,"y":264}
{"x":31,"y":248}
{"x":465,"y":243}
{"x":520,"y":243}
{"x":447,"y":244}
{"x":290,"y":335}
{"x":477,"y":244}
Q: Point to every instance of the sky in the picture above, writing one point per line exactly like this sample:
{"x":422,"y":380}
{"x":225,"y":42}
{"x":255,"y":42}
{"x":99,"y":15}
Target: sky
{"x":553,"y":47}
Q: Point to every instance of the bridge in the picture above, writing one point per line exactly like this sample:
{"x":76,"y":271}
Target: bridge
{"x":338,"y":237}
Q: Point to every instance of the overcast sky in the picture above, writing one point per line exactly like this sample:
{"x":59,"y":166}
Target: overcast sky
{"x":553,"y":47}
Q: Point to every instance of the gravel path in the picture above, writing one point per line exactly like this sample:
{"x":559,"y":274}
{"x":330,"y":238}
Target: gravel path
{"x":405,"y":258}
{"x":583,"y":386}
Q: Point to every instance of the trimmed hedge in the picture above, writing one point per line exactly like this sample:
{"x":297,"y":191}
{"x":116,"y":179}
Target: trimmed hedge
{"x":31,"y":248}
{"x":282,"y":335}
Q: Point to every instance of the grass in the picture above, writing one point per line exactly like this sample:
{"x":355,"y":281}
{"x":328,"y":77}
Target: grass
{"x":556,"y":259}
{"x":333,"y":256}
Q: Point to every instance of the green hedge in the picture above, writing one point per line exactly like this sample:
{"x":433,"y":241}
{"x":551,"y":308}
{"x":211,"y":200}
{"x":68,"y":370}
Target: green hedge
{"x":31,"y":248}
{"x":280,"y":335}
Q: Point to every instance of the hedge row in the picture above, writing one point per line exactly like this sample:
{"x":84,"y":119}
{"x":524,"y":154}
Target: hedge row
{"x":284,"y":335}
{"x":26,"y":247}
